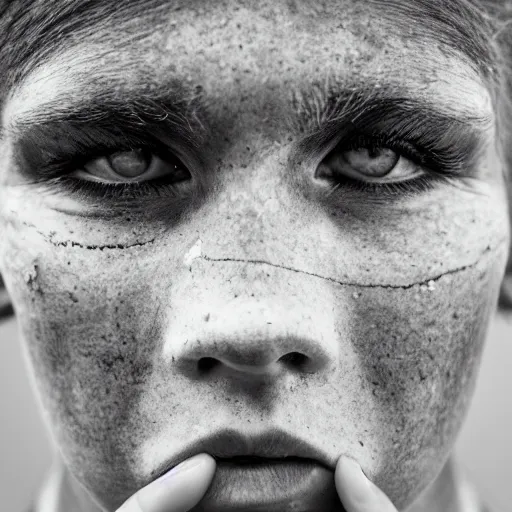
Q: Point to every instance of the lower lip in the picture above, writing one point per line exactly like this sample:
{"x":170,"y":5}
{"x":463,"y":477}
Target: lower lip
{"x":276,"y":486}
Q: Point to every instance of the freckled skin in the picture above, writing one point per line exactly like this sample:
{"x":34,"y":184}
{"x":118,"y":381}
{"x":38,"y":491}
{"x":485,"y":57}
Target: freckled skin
{"x":391,"y":301}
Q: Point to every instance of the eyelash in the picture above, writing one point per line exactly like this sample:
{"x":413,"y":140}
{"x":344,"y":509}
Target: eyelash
{"x":439,"y":166}
{"x":54,"y":173}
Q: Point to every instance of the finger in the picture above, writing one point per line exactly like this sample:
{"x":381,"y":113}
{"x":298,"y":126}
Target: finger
{"x":357,"y":493}
{"x":178,"y":490}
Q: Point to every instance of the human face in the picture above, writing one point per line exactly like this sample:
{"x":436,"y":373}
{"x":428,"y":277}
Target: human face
{"x":384,"y":292}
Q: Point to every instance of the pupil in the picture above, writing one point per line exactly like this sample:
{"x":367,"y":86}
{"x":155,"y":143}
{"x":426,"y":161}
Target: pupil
{"x":375,"y":152}
{"x":130,"y":164}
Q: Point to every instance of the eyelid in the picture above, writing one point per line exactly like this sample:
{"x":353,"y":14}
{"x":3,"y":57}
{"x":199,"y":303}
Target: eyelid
{"x":402,"y":148}
{"x":109,"y":173}
{"x":444,"y":145}
{"x":156,"y":149}
{"x":451,"y":160}
{"x":327,"y":168}
{"x":44,"y":154}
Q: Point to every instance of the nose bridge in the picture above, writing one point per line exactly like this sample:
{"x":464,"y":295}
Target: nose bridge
{"x":254,"y":176}
{"x":256,"y":206}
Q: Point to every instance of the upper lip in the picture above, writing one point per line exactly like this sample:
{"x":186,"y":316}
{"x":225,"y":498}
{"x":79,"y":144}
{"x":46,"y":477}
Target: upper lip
{"x":272,"y":444}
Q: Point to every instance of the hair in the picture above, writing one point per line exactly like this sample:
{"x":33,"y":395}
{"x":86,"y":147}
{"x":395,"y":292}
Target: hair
{"x":481,"y":30}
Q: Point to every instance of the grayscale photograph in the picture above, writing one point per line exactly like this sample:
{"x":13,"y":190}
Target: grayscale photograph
{"x":255,"y":256}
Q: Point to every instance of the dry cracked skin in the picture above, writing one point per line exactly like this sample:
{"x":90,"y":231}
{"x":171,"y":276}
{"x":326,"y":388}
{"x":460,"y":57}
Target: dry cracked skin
{"x":387,"y":294}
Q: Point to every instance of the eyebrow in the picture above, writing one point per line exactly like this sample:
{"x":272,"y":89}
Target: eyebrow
{"x":174,"y":108}
{"x":447,"y":137}
{"x":321,"y":107}
{"x":184,"y":111}
{"x":63,"y":132}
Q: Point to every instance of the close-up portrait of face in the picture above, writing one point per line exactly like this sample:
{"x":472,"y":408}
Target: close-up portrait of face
{"x":267,"y":235}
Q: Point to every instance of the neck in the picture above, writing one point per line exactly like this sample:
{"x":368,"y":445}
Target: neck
{"x":445,"y":494}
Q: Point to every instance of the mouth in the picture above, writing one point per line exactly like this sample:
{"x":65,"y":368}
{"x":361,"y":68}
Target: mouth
{"x":243,"y":460}
{"x":271,"y":472}
{"x":232,"y":446}
{"x":254,"y":484}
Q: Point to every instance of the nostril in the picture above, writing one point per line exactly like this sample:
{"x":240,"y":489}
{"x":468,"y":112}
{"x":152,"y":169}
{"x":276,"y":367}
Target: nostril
{"x":294,"y":359}
{"x":205,"y":364}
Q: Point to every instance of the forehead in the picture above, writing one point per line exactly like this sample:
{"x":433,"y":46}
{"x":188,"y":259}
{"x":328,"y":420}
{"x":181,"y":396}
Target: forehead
{"x":76,"y":47}
{"x":38,"y":23}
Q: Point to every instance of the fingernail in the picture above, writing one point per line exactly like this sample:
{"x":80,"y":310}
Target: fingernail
{"x":357,"y":470}
{"x":191,"y":463}
{"x":357,"y":485}
{"x":353,"y":465}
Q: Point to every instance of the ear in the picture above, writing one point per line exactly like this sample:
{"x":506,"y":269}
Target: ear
{"x":6,"y":309}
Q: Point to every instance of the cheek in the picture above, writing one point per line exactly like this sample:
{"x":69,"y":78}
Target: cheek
{"x":418,"y":352}
{"x":87,"y":319}
{"x":422,"y":296}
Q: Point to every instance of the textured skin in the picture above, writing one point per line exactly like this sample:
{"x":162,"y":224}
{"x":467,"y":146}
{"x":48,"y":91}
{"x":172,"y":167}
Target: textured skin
{"x":390,"y":301}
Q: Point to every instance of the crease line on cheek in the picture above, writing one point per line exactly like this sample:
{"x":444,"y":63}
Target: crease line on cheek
{"x":426,"y":282}
{"x":89,"y":247}
{"x":72,"y":243}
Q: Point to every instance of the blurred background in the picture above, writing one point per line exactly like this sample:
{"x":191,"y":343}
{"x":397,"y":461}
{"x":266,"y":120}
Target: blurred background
{"x":484,"y":447}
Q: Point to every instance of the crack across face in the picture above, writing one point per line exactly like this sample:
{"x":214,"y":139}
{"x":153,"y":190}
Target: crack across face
{"x":118,"y":311}
{"x":429,"y":281}
{"x":196,"y":251}
{"x":72,"y":243}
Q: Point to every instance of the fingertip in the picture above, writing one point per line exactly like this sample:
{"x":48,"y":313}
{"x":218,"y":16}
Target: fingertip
{"x":351,"y":483}
{"x":356,"y":491}
{"x":208,"y":465}
{"x":178,"y":490}
{"x":202,"y":464}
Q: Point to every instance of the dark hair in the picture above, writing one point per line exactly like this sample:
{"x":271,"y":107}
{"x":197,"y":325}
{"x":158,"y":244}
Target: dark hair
{"x":481,"y":30}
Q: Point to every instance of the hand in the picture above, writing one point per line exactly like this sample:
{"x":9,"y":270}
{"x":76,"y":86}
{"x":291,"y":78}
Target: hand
{"x":356,"y":492}
{"x":178,"y":490}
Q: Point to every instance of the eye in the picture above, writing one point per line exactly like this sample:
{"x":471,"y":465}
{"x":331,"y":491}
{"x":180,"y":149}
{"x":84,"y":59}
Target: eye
{"x":131,"y":166}
{"x":369,"y":163}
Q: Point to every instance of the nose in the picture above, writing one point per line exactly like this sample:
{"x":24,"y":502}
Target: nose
{"x":251,"y":352}
{"x":250,"y":339}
